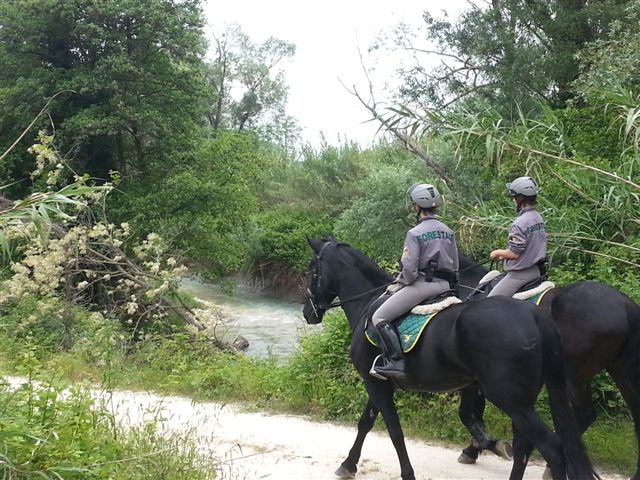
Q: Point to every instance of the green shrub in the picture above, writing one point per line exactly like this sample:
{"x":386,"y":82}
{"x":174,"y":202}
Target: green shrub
{"x":377,"y":222}
{"x":321,"y":376}
{"x":281,"y":236}
{"x":50,"y":326}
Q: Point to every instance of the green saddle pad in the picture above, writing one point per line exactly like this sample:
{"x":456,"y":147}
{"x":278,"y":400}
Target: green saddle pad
{"x":537,"y":298}
{"x":410,"y":328}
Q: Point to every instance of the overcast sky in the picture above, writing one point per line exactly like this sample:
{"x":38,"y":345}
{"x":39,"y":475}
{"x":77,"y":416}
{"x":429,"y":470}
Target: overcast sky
{"x":327,"y":35}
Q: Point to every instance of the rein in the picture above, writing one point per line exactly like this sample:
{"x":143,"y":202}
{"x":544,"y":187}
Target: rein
{"x":476,"y":265}
{"x":472,"y":267}
{"x":338,"y":303}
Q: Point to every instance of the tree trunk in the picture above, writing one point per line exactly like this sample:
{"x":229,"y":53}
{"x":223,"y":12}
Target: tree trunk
{"x":122,"y":162}
{"x":137,"y":143}
{"x":222,"y":59}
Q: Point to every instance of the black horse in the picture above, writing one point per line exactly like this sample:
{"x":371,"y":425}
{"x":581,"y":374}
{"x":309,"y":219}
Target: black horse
{"x":505,"y":347}
{"x":600,"y":330}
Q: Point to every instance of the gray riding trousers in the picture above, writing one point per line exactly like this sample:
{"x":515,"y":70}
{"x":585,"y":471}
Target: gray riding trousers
{"x":513,"y":280}
{"x":408,"y":297}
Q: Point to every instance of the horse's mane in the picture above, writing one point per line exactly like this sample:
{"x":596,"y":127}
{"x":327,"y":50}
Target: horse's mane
{"x":365,"y":264}
{"x":470,"y":265}
{"x":466,"y":261}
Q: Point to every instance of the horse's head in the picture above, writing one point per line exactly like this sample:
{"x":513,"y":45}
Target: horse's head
{"x":339,"y":270}
{"x":320,"y":291}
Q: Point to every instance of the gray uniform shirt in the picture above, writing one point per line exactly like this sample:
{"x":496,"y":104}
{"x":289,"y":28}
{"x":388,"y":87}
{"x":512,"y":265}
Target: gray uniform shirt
{"x":527,"y":238}
{"x":429,"y":240}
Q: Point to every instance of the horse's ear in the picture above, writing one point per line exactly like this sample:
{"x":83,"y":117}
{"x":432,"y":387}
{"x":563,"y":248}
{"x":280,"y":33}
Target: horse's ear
{"x":315,"y":244}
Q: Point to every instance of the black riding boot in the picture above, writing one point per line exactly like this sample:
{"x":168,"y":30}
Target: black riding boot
{"x":392,"y":350}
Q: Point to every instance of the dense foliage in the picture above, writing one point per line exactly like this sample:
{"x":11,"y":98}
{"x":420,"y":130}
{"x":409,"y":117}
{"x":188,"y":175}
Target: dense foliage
{"x":204,"y":167}
{"x":584,"y":153}
{"x":508,"y":52}
{"x":201,"y":209}
{"x":132,"y":75}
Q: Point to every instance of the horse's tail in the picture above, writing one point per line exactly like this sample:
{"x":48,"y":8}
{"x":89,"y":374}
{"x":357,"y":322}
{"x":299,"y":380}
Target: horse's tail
{"x":631,"y":351}
{"x":577,"y":462}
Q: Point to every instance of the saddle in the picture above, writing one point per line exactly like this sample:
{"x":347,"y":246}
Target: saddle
{"x":532,"y":291}
{"x":410,"y":325}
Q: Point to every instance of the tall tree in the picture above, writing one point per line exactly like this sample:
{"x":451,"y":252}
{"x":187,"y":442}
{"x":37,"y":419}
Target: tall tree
{"x":249,"y":86}
{"x":134,"y":72}
{"x":506,"y":51}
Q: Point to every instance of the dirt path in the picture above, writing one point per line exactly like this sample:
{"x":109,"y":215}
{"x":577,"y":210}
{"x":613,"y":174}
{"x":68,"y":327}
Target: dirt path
{"x":255,"y":446}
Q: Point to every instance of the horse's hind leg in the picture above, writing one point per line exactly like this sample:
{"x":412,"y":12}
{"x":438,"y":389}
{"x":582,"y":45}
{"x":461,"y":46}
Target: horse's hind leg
{"x":631,"y":394}
{"x":581,"y":401}
{"x":529,"y":430}
{"x":522,"y":448}
{"x":471,"y":411}
{"x":582,"y":405}
{"x":349,"y":467}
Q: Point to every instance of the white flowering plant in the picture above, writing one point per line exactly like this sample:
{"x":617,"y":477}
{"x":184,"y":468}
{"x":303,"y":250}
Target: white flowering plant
{"x":64,"y":249}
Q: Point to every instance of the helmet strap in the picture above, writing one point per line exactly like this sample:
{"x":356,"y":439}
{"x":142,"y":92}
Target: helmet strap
{"x":521,"y":201}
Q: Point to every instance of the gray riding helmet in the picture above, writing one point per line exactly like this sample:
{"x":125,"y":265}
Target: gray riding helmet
{"x":424,"y":195}
{"x":525,"y":186}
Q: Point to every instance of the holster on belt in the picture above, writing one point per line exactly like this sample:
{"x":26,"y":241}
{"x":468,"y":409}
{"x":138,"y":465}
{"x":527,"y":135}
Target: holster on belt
{"x":432,"y":271}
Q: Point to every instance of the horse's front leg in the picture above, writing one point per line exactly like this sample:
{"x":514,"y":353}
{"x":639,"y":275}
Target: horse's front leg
{"x":381,"y":397}
{"x":349,"y":467}
{"x":471,"y":412}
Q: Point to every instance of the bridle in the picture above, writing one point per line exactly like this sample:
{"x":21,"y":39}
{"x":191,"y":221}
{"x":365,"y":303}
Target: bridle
{"x":318,"y":307}
{"x":315,"y":278}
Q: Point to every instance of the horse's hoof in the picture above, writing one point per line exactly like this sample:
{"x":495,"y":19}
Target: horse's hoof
{"x":547,"y":474}
{"x":344,"y":472}
{"x":466,"y":459}
{"x":504,"y":450}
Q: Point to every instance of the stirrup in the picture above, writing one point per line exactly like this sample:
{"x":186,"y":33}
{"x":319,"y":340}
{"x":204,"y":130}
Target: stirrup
{"x":372,"y":370}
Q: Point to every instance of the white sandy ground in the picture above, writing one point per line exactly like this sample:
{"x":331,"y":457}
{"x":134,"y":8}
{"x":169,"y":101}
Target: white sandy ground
{"x":255,"y":446}
{"x":252,"y":446}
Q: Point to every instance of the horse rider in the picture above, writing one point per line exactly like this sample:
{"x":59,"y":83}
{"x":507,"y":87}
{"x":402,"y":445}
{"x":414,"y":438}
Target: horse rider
{"x":429,"y":266}
{"x":526,"y":251}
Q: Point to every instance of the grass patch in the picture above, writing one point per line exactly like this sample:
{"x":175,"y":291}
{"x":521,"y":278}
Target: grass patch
{"x":49,"y":433}
{"x":611,"y":443}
